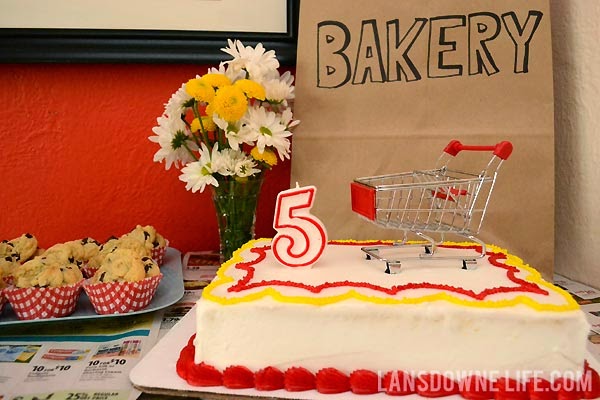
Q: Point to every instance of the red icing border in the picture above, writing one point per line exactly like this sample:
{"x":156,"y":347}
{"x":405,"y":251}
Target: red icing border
{"x":495,"y":259}
{"x":393,"y":383}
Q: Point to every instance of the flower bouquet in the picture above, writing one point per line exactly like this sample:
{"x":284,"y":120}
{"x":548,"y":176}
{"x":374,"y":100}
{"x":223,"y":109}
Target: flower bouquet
{"x":224,"y":129}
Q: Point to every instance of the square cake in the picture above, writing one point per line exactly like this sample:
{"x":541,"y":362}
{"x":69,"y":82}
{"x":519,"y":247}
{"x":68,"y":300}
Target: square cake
{"x":344,"y":319}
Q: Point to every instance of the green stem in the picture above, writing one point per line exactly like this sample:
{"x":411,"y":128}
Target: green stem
{"x":235,"y":202}
{"x":202,"y":130}
{"x":190,"y":151}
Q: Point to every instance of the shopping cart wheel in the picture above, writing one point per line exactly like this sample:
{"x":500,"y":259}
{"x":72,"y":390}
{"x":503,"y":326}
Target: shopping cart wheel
{"x":469,"y":264}
{"x":392,"y":264}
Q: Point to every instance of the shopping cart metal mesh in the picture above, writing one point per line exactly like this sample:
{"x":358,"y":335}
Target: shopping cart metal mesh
{"x":434,"y":202}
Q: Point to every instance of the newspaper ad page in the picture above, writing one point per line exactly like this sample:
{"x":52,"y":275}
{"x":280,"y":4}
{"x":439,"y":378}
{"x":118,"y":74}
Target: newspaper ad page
{"x":76,"y":360}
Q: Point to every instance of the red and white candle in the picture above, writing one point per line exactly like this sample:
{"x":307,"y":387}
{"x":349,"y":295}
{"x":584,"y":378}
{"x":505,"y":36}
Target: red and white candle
{"x":301,"y":237}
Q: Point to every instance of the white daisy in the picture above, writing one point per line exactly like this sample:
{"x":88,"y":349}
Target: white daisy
{"x":171,"y":135}
{"x":235,"y":137}
{"x":175,"y":106}
{"x":286,"y":119}
{"x":269,"y":128}
{"x":246,"y":167}
{"x":256,"y":61}
{"x":230,"y":73}
{"x":236,"y":163}
{"x":280,"y":89}
{"x":199,"y":173}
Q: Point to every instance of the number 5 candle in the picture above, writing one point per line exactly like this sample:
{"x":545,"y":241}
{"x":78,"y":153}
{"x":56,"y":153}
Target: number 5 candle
{"x":301,"y":237}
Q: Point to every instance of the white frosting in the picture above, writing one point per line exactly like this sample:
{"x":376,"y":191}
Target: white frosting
{"x":363,"y":328}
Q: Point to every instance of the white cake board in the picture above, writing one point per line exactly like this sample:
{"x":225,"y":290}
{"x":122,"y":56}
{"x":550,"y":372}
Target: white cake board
{"x":156,"y":373}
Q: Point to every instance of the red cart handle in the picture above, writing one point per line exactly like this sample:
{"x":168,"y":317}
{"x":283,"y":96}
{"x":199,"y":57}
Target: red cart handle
{"x":501,"y":149}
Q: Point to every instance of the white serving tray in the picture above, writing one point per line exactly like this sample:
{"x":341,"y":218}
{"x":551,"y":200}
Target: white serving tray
{"x":169,"y":291}
{"x":156,"y":374}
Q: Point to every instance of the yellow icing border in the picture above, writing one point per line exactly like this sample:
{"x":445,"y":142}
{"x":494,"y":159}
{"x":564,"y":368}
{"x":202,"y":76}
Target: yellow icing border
{"x":534,"y":277}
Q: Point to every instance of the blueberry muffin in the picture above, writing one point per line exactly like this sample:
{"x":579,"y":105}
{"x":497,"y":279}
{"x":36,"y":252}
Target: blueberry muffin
{"x":25,"y":246}
{"x":41,"y":272}
{"x":66,"y":253}
{"x":148,"y":236}
{"x":8,"y":265}
{"x":7,"y":249}
{"x":125,"y":282}
{"x":124,"y":265}
{"x":91,"y":248}
{"x":3,"y":283}
{"x":43,"y":289}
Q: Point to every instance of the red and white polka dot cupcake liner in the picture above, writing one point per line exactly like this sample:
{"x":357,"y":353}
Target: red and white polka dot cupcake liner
{"x":158,"y":254}
{"x":121,"y":297}
{"x":3,"y":300}
{"x":88,"y":272}
{"x":45,"y":302}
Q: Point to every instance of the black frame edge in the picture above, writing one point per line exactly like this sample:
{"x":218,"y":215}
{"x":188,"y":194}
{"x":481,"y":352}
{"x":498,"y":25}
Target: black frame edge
{"x":139,"y":46}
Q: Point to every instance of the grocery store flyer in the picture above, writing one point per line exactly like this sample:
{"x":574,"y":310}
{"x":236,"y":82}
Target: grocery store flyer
{"x":74,"y":359}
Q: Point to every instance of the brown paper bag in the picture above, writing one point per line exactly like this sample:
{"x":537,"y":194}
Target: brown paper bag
{"x":384,"y":85}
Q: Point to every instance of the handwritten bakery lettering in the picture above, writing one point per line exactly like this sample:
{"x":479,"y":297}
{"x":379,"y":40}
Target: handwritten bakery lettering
{"x":449,"y":45}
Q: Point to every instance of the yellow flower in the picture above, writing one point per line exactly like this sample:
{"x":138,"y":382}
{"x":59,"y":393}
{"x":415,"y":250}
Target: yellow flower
{"x":216,"y":80}
{"x":251,"y":89}
{"x":208,"y":123}
{"x":195,"y":125}
{"x":210,"y":110}
{"x":200,"y":90}
{"x":267,"y":156}
{"x":230,"y":103}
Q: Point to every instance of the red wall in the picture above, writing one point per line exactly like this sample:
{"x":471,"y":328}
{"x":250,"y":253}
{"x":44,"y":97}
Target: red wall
{"x":75,"y":159}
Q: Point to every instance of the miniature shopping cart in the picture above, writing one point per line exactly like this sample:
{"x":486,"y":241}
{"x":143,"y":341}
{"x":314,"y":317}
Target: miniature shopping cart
{"x":430,"y":204}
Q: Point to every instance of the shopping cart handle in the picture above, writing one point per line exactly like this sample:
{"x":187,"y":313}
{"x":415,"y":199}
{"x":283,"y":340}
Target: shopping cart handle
{"x":501,"y":150}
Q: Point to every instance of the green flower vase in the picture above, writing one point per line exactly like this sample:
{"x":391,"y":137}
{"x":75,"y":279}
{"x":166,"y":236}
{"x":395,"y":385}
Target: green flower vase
{"x":235,"y":201}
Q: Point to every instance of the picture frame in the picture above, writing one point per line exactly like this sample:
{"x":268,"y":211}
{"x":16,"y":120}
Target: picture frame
{"x":74,"y":45}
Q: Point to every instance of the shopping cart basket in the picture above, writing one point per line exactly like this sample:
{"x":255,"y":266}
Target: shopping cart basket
{"x":430,"y":204}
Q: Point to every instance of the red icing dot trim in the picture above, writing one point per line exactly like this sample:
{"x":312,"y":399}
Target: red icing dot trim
{"x":269,"y":378}
{"x":331,"y":381}
{"x":363,"y":381}
{"x":475,"y":387}
{"x":203,"y":375}
{"x":540,"y":389}
{"x":436,"y":385}
{"x":238,"y":377}
{"x":510,"y":389}
{"x":394,"y":383}
{"x":590,"y":383}
{"x":495,"y":259}
{"x":399,"y":383}
{"x":298,"y":379}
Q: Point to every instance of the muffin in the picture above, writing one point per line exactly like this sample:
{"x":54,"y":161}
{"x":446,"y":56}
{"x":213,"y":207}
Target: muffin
{"x":71,"y":252}
{"x":106,"y":248}
{"x":45,"y":288}
{"x":91,"y":248}
{"x":25,"y":246}
{"x":150,"y":239}
{"x":124,"y":265}
{"x":7,"y":249}
{"x":8,"y":265}
{"x":125,"y":282}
